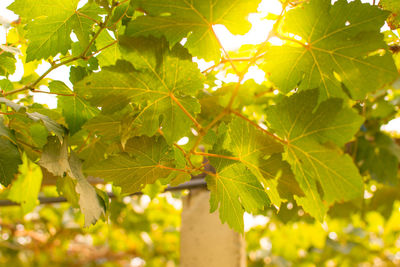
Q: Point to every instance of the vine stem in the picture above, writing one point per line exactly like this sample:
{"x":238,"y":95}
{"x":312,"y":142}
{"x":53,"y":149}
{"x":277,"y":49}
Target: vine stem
{"x":83,"y":56}
{"x":228,"y":58}
{"x":172,"y":169}
{"x":198,"y":125}
{"x":180,"y":148}
{"x":241,"y":74}
{"x":7,"y":113}
{"x":215,"y":155}
{"x":238,"y":59}
{"x":291,"y":40}
{"x":259,"y":127}
{"x":51,"y":93}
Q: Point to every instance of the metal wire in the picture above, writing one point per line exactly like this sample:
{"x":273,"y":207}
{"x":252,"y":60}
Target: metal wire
{"x":194,"y":183}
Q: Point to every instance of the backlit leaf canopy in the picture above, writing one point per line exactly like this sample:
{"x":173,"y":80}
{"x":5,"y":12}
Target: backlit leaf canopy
{"x":339,"y":44}
{"x":162,"y":88}
{"x":50,"y":32}
{"x":251,"y":145}
{"x":141,"y":108}
{"x":313,"y":160}
{"x":193,"y":19}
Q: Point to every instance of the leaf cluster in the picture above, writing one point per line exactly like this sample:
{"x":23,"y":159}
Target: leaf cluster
{"x":309,"y":133}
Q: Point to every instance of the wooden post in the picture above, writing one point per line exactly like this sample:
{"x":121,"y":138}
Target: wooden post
{"x":205,"y":241}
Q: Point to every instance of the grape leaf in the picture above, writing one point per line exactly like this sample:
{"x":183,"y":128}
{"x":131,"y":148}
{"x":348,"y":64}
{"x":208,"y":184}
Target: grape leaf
{"x":165,"y":90}
{"x":340,"y":44}
{"x":194,"y":20}
{"x":250,"y":145}
{"x":314,"y":159}
{"x":55,"y":156}
{"x":5,"y":132}
{"x":110,"y":55}
{"x":6,"y":85}
{"x":75,"y":109}
{"x":25,"y":189}
{"x":88,"y":200}
{"x":50,"y":124}
{"x":106,"y":126}
{"x":66,"y":188}
{"x":50,"y":33}
{"x":150,"y":160}
{"x":7,"y":64}
{"x":31,"y":9}
{"x":93,"y":152}
{"x":235,"y":190}
{"x":9,"y":161}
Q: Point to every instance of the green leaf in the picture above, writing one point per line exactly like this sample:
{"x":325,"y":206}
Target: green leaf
{"x":93,"y":153}
{"x":310,"y":133}
{"x":341,"y":44}
{"x":88,"y":200}
{"x":55,"y":156}
{"x":76,"y":111}
{"x":152,"y":190}
{"x":251,"y":145}
{"x":25,"y":189}
{"x":6,"y":85}
{"x":104,"y":125}
{"x":66,"y":188}
{"x":162,"y":92}
{"x":50,"y":33}
{"x":7,"y":64}
{"x":149,"y":161}
{"x":59,"y":87}
{"x":5,"y":132}
{"x":9,"y":161}
{"x":192,"y":19}
{"x":235,"y":190}
{"x":177,"y":177}
{"x":31,"y":9}
{"x":50,"y":124}
{"x":110,"y":55}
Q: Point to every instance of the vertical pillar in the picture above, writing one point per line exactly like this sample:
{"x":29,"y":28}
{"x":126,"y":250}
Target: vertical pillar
{"x":205,"y":241}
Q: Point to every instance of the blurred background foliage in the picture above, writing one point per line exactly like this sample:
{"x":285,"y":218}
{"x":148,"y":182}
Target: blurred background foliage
{"x":145,"y":232}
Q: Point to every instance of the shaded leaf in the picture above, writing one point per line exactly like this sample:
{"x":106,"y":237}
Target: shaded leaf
{"x":55,"y":156}
{"x":149,"y":161}
{"x":9,"y":161}
{"x":314,"y":161}
{"x":88,"y":200}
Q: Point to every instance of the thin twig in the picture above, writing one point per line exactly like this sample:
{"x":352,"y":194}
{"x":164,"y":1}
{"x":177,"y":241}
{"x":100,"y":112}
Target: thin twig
{"x":198,"y":125}
{"x":51,"y":93}
{"x":88,"y":17}
{"x":215,"y":155}
{"x":32,"y":85}
{"x":7,"y":113}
